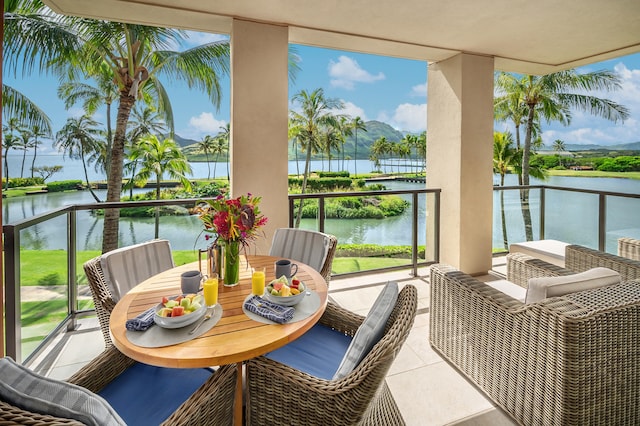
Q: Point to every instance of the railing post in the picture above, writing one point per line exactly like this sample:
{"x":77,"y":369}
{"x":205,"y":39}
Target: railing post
{"x":542,"y":212}
{"x":602,"y":221}
{"x":13,"y":312}
{"x":414,"y":235}
{"x":291,"y":206}
{"x":436,"y":231}
{"x":72,"y":289}
{"x":321,"y":213}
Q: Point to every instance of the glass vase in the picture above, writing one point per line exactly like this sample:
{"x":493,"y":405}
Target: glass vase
{"x":231,"y":256}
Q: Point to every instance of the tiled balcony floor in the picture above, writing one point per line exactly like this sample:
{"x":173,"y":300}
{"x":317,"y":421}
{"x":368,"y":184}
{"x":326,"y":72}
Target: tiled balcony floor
{"x":428,"y":391}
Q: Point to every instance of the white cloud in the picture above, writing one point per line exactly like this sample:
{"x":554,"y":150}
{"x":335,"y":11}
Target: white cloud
{"x":196,"y":38}
{"x":75,"y":112}
{"x":419,"y":90}
{"x":204,"y":124}
{"x":352,"y":110}
{"x":346,"y":72}
{"x":410,"y":117}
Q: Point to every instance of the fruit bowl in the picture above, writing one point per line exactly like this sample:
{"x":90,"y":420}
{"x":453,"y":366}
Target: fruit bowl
{"x":187,"y":318}
{"x":288,"y":300}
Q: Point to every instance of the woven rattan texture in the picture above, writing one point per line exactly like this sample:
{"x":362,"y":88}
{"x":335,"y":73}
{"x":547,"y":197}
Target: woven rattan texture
{"x":580,"y":259}
{"x":360,"y":398}
{"x":629,"y":248}
{"x":570,"y":360}
{"x":102,"y":298}
{"x":10,"y":415}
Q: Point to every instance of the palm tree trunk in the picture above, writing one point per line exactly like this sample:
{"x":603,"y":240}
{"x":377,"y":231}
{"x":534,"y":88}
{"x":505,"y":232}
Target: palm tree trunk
{"x":304,"y":184}
{"x":524,"y":193}
{"x":503,"y":216}
{"x":6,"y":166}
{"x":114,"y":182}
{"x":215,"y":165}
{"x":86,"y":177}
{"x":355,"y":156}
{"x":24,"y":157}
{"x":109,"y":140}
{"x":35,"y":153}
{"x":206,"y":153}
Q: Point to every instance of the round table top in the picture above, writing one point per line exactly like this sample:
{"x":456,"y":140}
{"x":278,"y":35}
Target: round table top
{"x":235,"y":338}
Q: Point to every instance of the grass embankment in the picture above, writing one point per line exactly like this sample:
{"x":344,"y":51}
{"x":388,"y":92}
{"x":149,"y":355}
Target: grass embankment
{"x":594,"y":173}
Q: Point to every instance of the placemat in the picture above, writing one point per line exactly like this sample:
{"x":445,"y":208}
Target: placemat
{"x":156,"y":336}
{"x":307,"y":307}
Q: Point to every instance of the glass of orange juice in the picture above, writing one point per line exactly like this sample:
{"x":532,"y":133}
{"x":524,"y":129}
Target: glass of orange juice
{"x":257,"y":281}
{"x":210,"y":290}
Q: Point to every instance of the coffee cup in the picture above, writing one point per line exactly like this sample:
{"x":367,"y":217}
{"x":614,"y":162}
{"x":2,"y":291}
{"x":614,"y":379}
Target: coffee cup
{"x":286,"y":268}
{"x":190,"y":282}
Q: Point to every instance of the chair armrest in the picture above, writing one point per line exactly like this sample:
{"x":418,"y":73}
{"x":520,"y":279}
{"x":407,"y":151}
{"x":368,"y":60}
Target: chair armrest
{"x":102,"y":370}
{"x":522,"y":267}
{"x":629,"y":248}
{"x":341,"y":319}
{"x":580,"y":259}
{"x":12,"y":415}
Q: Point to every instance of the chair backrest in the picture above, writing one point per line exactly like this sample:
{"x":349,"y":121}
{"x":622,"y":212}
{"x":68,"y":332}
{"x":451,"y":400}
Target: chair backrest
{"x":313,"y":248}
{"x":127,"y":267}
{"x":579,"y":259}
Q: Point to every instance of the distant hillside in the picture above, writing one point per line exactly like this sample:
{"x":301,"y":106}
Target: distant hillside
{"x":634,"y":146}
{"x":182,"y":141}
{"x":375,"y":130}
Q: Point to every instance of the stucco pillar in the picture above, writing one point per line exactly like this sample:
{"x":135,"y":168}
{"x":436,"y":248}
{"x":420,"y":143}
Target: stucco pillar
{"x":259,"y":120}
{"x":459,"y":157}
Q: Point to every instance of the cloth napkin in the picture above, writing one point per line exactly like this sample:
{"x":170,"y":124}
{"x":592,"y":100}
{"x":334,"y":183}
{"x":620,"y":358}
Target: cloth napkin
{"x":269,"y":310}
{"x":143,"y":321}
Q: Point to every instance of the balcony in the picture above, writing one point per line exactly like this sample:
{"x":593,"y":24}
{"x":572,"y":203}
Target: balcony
{"x":446,"y":396}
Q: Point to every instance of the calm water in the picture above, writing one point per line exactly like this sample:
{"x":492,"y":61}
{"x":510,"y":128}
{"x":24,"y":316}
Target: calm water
{"x":570,"y":216}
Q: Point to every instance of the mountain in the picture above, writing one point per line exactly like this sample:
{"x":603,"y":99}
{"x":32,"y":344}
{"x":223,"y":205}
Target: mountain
{"x":633,"y":146}
{"x":182,"y":141}
{"x":375,"y":130}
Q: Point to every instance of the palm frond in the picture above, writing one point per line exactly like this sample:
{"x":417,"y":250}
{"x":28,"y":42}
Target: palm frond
{"x":15,"y":104}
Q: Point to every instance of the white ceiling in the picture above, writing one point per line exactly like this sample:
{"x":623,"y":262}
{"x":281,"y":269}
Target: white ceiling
{"x":527,"y":36}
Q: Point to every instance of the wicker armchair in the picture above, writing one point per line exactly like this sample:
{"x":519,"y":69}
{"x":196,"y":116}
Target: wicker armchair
{"x":211,"y":404}
{"x":629,"y":248}
{"x":360,"y":398}
{"x":157,"y":255}
{"x":569,"y":360}
{"x":311,"y":247}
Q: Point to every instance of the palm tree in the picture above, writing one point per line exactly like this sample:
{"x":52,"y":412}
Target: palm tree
{"x":25,"y":144}
{"x":9,"y":141}
{"x":223,"y":145}
{"x":558,"y":145}
{"x":105,"y":92}
{"x":357,"y":124}
{"x":206,"y":145}
{"x":346,"y":130}
{"x":316,"y":112}
{"x":78,"y":138}
{"x":37,"y":132}
{"x":157,"y":158}
{"x":552,"y":97}
{"x":505,"y":157}
{"x":330,"y":139}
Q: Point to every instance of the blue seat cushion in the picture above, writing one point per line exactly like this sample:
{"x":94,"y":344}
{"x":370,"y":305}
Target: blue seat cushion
{"x":147,"y":395}
{"x":318,"y":352}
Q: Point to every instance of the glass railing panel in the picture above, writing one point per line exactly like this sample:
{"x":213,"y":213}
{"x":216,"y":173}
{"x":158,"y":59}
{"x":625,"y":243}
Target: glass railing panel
{"x":43,"y":284}
{"x":571,"y":216}
{"x":513,"y":214}
{"x":621,"y":220}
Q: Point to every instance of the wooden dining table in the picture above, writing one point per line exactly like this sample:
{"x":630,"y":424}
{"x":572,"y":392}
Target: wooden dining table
{"x":234,"y":339}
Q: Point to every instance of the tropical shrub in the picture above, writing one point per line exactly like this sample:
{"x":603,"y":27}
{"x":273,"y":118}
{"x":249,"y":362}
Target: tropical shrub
{"x":64,"y":185}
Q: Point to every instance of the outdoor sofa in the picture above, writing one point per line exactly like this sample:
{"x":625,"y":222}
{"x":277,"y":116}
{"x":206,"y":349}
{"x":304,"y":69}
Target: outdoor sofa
{"x":566,"y":360}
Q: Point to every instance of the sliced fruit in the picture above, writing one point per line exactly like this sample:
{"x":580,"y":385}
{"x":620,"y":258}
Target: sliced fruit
{"x":177,"y":311}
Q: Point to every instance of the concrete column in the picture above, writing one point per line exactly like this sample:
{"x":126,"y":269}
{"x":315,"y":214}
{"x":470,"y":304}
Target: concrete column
{"x":259,"y":120}
{"x":459,"y":157}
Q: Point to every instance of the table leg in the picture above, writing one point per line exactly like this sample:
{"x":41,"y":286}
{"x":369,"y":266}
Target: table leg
{"x":238,"y":412}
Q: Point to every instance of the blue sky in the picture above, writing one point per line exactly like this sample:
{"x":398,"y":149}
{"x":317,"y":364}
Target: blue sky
{"x":380,"y":88}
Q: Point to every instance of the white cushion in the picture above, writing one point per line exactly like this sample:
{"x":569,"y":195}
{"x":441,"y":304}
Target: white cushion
{"x":126,"y":267}
{"x":25,"y":389}
{"x":551,"y":251}
{"x":544,"y":287}
{"x":509,"y":288}
{"x":370,"y":331}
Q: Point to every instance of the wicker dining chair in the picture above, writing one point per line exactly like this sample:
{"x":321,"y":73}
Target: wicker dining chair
{"x":212,"y":402}
{"x":116,"y":272}
{"x":313,"y":248}
{"x":359,"y":398}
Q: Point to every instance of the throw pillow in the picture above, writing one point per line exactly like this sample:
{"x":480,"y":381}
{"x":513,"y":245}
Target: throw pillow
{"x":25,"y":389}
{"x":370,"y":331}
{"x":544,"y":287}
